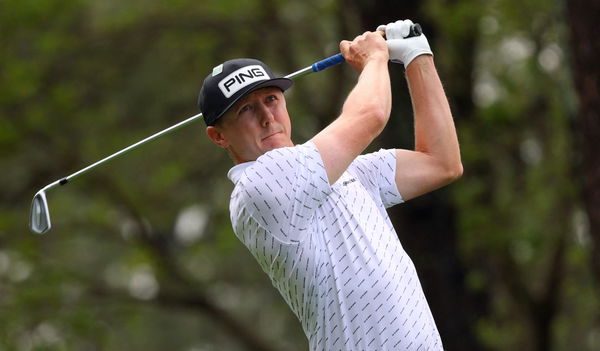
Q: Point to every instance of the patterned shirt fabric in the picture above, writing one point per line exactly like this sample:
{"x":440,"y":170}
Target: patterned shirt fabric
{"x":331,"y":250}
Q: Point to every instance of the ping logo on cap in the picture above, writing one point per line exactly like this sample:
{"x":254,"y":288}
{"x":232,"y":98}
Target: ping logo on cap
{"x":242,"y":78}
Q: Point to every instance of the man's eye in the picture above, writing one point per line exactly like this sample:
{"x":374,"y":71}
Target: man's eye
{"x":271,"y":98}
{"x":245,"y":108}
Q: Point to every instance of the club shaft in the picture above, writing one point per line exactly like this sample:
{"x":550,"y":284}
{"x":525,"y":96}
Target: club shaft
{"x":415,"y":31}
{"x":131,"y":147}
{"x":300,"y":73}
{"x":315,"y":67}
{"x":66,"y":179}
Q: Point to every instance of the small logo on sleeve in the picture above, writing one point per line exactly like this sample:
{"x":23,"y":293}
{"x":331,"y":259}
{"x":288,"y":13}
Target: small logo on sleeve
{"x":242,"y":78}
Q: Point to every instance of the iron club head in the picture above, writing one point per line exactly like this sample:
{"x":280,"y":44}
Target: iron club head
{"x":39,"y":218}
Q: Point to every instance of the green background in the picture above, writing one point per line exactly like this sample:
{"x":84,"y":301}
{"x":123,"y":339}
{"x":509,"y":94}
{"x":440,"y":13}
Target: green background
{"x":142,"y":256}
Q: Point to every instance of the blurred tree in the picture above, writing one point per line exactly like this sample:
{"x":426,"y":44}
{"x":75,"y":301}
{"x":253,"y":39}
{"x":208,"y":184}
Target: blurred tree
{"x":517,"y":201}
{"x":583,"y":15}
{"x":142,"y":256}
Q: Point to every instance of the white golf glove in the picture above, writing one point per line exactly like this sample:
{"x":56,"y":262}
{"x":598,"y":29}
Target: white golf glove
{"x":402,"y":49}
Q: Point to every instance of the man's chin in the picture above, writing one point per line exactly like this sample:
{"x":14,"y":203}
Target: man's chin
{"x":275,"y":142}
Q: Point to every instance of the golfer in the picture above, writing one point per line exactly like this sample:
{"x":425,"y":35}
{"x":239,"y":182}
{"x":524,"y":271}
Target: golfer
{"x":314,"y":214}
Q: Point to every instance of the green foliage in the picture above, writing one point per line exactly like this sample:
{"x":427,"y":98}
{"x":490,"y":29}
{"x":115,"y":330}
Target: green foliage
{"x":519,"y":195}
{"x":82,"y":79}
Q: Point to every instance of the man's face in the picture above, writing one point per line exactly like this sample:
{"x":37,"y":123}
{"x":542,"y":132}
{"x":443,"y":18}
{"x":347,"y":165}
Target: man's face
{"x":257,"y":123}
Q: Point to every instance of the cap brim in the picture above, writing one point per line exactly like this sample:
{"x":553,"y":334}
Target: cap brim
{"x":281,"y":83}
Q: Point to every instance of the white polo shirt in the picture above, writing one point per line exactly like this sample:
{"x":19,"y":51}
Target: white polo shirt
{"x":331,"y":250}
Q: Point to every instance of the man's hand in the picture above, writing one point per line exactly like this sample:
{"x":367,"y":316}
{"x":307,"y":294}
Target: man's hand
{"x":363,"y":49}
{"x":402,"y":49}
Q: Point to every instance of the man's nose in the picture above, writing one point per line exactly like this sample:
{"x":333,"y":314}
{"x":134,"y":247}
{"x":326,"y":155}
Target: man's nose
{"x":266,"y":115}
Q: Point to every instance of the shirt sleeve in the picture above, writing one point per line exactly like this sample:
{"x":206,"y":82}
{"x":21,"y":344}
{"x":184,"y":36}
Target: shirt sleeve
{"x":283,"y":190}
{"x":377,"y":172}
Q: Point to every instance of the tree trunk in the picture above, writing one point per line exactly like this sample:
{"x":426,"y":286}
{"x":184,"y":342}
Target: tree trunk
{"x":583,"y":17}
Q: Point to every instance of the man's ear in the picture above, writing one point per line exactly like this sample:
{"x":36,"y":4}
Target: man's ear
{"x":217,"y":136}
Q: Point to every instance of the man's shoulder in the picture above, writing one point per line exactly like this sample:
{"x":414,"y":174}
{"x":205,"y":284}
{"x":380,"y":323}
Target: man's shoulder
{"x":278,"y":176}
{"x":270,"y":176}
{"x":277,"y":162}
{"x":289,"y":154}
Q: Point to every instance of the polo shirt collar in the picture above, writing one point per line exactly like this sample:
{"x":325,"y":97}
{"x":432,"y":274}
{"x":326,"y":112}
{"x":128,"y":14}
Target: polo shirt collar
{"x":235,"y":173}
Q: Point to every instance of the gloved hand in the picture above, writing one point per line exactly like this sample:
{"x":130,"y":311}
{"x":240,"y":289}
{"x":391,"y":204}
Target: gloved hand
{"x":402,"y":49}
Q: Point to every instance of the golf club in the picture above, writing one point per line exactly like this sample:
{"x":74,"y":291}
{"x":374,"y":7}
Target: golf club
{"x":39,"y":219}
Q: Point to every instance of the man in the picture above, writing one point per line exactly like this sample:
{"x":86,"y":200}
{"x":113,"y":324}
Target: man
{"x":313,"y":215}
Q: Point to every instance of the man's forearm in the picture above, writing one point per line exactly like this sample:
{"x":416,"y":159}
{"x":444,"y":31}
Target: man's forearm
{"x":435,"y":134}
{"x":370,"y":98}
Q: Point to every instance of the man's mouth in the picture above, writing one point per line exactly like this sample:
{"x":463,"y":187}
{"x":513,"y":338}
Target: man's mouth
{"x":270,"y":135}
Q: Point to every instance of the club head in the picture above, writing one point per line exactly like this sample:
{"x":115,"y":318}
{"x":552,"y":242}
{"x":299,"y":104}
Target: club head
{"x":39,"y":219}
